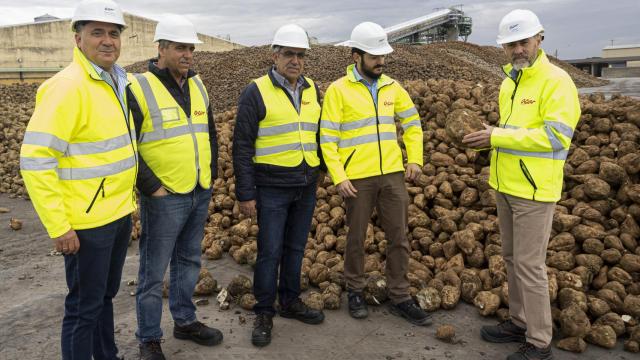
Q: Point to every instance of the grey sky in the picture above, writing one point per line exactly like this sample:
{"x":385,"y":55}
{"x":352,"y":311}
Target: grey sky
{"x":573,"y":28}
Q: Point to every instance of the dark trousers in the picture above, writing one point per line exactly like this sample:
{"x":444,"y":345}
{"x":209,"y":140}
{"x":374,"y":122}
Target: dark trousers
{"x":388,"y":194}
{"x":284,"y":217}
{"x":93,"y":277}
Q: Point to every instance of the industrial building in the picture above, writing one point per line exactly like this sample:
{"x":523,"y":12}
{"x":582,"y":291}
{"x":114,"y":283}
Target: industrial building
{"x":442,"y":25}
{"x":35,"y":51}
{"x":617,"y":61}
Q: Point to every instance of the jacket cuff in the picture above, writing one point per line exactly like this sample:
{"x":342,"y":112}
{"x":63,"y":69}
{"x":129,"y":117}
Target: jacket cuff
{"x":500,"y":137}
{"x":149,"y":187}
{"x":246,"y":195}
{"x":59,"y":230}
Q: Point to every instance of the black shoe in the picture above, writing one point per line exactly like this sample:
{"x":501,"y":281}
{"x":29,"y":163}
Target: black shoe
{"x":151,"y":350}
{"x":199,"y":333}
{"x":528,"y":351}
{"x":504,"y":332}
{"x":357,"y":305}
{"x":298,"y":310}
{"x":412,"y":312}
{"x":261,"y":335}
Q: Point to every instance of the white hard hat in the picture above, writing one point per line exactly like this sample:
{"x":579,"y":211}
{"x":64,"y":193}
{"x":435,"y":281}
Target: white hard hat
{"x":176,"y":28}
{"x":291,"y":35}
{"x":371,"y":38}
{"x":518,"y":25}
{"x":98,"y":10}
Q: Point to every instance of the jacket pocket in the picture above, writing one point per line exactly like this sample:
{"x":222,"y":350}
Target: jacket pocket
{"x":529,"y":178}
{"x":346,"y":163}
{"x":95,"y":196}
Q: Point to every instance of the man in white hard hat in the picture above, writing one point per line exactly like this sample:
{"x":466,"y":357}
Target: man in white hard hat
{"x":78,"y":161}
{"x":539,"y":110}
{"x":178,"y":161}
{"x":360,"y":147}
{"x":277,"y":166}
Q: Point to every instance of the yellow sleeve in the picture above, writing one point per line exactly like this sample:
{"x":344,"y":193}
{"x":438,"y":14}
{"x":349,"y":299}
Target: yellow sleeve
{"x":331,"y":119}
{"x":411,"y":125}
{"x":46,"y":139}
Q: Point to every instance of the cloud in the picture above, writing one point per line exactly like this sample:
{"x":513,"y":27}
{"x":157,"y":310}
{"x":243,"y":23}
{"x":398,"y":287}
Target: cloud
{"x":573,"y":28}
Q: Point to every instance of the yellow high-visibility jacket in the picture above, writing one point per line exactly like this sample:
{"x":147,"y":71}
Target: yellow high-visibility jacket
{"x":539,"y":111}
{"x":173,"y":144}
{"x":286,"y":137}
{"x":78,"y":158}
{"x":358,"y":139}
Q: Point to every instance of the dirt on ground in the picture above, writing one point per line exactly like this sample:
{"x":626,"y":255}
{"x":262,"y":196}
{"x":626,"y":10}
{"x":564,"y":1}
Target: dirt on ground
{"x":32,"y":291}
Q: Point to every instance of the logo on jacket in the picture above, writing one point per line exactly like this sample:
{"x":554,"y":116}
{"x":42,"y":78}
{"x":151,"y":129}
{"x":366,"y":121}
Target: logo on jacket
{"x":304,"y":102}
{"x":527,"y":101}
{"x":388,"y":103}
{"x":198,"y":113}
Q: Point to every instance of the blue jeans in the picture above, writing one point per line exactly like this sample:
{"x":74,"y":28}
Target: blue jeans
{"x":93,"y":277}
{"x":284,"y":217}
{"x":172,"y":229}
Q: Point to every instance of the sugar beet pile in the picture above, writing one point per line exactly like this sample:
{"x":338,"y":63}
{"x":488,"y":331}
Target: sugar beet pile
{"x":593,"y":256}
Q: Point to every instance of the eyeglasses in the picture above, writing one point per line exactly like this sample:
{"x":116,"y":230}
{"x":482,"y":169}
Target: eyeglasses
{"x":290,"y":54}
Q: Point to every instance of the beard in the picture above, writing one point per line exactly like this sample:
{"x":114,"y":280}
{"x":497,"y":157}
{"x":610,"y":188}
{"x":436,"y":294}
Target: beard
{"x":369,"y":72}
{"x":520,"y":64}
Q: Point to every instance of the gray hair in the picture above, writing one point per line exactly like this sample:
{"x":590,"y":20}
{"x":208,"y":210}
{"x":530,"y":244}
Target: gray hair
{"x":163,"y":44}
{"x":276,"y":48}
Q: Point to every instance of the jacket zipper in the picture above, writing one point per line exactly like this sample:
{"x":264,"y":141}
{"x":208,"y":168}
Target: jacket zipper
{"x":95,"y":197}
{"x":299,"y":110}
{"x":513,"y":95}
{"x":527,"y":175}
{"x":375,"y":106}
{"x":127,"y":123}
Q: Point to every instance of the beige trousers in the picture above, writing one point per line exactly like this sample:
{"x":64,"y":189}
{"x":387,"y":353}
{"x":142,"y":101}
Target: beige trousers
{"x":525,"y":226}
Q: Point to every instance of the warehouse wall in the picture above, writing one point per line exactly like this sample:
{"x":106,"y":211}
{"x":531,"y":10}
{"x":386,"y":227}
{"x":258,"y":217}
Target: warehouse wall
{"x":608,"y":53}
{"x":50,"y":44}
{"x":626,"y":72}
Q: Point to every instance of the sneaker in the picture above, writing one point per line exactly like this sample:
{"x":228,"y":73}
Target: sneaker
{"x":261,"y":335}
{"x":151,"y":350}
{"x":199,"y":333}
{"x":300,"y":311}
{"x":528,"y":351}
{"x":357,"y":305}
{"x":504,"y":332}
{"x":412,"y":312}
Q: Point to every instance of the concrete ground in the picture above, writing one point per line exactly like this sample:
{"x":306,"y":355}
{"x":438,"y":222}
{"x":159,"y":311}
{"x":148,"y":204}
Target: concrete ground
{"x":624,"y":86}
{"x":32,"y":290}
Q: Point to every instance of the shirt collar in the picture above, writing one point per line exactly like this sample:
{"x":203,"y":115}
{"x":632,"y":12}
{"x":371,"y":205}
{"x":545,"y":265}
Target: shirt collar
{"x":284,"y":82}
{"x":361,"y":79}
{"x":118,"y":71}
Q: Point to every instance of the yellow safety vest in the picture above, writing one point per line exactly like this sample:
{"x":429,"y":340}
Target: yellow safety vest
{"x":358,"y":138}
{"x":78,"y":159}
{"x":174,"y":146}
{"x":286,"y":137}
{"x":538,"y":114}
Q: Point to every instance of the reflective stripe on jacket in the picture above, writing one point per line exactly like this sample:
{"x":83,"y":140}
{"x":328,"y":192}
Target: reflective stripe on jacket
{"x":78,"y":159}
{"x":173,"y":144}
{"x":539,"y":111}
{"x":286,"y":138}
{"x":358,"y":138}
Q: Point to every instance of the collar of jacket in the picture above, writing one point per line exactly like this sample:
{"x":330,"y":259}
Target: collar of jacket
{"x":382,"y":81}
{"x":164,"y":74}
{"x":274,"y":81}
{"x":541,"y":62}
